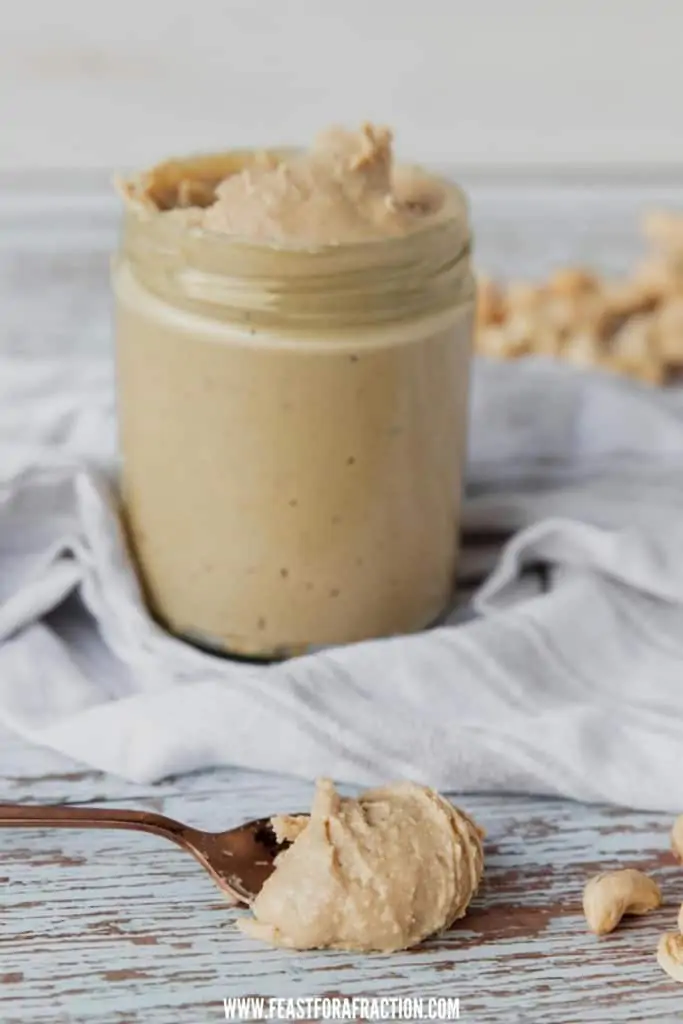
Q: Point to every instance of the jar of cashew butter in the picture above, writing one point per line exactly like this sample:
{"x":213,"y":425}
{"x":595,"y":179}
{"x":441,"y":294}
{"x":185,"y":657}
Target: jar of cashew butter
{"x":293,"y":338}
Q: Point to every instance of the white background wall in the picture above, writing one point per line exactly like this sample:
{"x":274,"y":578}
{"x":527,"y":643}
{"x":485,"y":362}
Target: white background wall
{"x":476,"y":82}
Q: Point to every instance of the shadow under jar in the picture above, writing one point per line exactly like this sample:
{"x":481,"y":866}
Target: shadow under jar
{"x":292,"y":425}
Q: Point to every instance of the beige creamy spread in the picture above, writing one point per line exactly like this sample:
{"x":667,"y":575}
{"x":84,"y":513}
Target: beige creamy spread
{"x":345,"y":189}
{"x":381,"y":872}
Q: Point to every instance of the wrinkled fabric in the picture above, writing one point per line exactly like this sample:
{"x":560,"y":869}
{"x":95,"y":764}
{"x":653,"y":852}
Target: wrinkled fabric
{"x":567,"y":679}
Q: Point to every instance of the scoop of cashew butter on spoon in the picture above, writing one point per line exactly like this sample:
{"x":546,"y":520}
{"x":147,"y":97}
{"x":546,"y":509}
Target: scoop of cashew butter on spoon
{"x":380,"y":872}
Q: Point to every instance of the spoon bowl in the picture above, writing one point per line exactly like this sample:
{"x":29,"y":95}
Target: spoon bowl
{"x":239,"y":860}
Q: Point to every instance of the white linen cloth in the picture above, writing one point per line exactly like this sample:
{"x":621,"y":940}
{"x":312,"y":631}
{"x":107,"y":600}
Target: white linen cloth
{"x":569,"y":680}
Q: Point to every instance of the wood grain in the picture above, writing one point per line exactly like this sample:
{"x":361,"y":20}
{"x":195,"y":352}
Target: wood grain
{"x":117,"y":928}
{"x":106,"y":926}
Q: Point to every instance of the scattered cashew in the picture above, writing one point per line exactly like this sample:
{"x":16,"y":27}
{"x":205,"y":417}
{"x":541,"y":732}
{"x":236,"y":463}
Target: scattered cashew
{"x":490,"y":302}
{"x":670,"y":954}
{"x":624,"y":299}
{"x":664,"y":230}
{"x":659,"y":278}
{"x":572,"y":282}
{"x":677,"y":837}
{"x":562,"y":312}
{"x":582,"y":349}
{"x":670,"y":946}
{"x":611,"y":894}
{"x":523,"y":297}
{"x":632,"y":326}
{"x":670,"y":330}
{"x":634,"y":349}
{"x":496,"y":342}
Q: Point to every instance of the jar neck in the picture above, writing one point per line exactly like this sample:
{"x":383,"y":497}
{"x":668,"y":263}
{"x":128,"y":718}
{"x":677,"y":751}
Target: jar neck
{"x":340,"y":287}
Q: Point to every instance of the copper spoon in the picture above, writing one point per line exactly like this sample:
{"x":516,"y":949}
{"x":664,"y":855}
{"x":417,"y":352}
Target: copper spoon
{"x":239,"y":860}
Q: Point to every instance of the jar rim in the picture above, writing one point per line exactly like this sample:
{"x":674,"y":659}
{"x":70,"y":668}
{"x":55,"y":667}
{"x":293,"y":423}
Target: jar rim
{"x":247,"y":280}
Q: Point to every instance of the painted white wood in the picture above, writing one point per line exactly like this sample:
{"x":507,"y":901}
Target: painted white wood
{"x":481,"y":82}
{"x":101,"y":927}
{"x":115,"y":928}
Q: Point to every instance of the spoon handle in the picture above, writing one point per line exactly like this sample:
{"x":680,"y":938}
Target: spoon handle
{"x":64,"y":816}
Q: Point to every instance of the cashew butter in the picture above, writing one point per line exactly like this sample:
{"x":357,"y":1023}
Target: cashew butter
{"x":381,"y":872}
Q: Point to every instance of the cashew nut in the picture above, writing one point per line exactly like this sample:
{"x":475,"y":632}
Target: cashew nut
{"x":670,"y":323}
{"x":572,"y":282}
{"x":610,"y":895}
{"x":490,"y":302}
{"x":524,"y":297}
{"x":670,"y":954}
{"x":582,"y":349}
{"x":631,"y":325}
{"x":670,"y":946}
{"x":499,"y":342}
{"x":664,"y":230}
{"x":677,"y":837}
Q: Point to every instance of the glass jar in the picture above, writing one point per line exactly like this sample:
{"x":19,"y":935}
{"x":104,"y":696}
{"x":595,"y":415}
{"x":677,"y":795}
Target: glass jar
{"x":292,"y":426}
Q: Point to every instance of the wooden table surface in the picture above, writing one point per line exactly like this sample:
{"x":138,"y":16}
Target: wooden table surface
{"x":118,"y":927}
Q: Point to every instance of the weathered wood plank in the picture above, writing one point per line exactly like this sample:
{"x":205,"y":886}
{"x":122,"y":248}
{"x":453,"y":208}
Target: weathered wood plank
{"x":99,"y":924}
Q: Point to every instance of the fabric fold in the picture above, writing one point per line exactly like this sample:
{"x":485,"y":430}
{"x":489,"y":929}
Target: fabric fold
{"x":568,"y":680}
